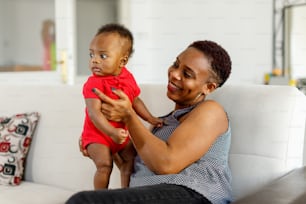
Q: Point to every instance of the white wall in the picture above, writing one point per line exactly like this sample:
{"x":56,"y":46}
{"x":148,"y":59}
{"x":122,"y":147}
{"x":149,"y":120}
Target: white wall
{"x":20,"y":34}
{"x":91,"y":15}
{"x":163,"y":28}
{"x":298,"y":42}
{"x":2,"y":21}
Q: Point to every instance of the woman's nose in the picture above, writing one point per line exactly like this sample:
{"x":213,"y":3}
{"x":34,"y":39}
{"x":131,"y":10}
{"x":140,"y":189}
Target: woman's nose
{"x":175,"y":74}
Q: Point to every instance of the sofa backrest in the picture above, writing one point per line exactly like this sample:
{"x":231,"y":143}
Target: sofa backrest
{"x":268,"y":130}
{"x":54,"y":157}
{"x":268,"y":127}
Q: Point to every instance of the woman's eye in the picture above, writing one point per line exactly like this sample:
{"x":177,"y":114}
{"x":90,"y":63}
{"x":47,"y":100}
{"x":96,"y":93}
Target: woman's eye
{"x":187,"y":75}
{"x":103,"y":56}
{"x":175,"y":64}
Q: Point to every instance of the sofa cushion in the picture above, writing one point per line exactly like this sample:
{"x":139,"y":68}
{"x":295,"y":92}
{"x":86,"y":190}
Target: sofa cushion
{"x":15,"y":138}
{"x":33,"y":193}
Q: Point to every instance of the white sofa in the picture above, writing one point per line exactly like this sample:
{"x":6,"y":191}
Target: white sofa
{"x":268,"y":130}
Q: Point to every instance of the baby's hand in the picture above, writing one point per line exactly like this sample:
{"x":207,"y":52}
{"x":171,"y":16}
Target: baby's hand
{"x":82,"y":150}
{"x":156,"y":122}
{"x":119,"y":135}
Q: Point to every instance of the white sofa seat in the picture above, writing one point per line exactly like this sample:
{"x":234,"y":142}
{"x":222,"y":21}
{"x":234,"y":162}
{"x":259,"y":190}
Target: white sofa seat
{"x":268,"y":127}
{"x":29,"y":193}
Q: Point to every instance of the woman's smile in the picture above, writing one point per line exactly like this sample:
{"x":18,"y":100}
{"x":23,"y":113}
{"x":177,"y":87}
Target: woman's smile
{"x":173,"y":87}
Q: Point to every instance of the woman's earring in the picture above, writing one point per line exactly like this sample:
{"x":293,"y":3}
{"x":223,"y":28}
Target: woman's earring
{"x":198,"y":96}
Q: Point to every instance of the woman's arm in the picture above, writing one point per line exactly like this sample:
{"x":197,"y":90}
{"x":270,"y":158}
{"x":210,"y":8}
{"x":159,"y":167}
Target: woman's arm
{"x":188,"y":143}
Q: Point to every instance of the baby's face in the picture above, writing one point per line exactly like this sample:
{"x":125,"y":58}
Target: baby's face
{"x":107,"y":55}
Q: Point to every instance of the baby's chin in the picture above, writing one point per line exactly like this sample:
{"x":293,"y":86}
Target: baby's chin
{"x":97,"y":72}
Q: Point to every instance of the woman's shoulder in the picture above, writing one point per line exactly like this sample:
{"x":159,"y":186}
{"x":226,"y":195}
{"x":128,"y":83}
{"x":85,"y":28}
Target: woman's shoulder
{"x":210,"y":112}
{"x":210,"y":105}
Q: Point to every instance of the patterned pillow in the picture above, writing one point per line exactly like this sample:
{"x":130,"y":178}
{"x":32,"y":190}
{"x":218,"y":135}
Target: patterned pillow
{"x":15,"y":138}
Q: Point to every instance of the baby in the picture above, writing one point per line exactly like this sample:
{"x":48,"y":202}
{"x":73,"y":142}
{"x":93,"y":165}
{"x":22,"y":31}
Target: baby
{"x":109,"y":52}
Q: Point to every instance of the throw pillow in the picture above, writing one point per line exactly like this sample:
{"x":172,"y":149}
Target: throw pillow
{"x":15,"y":138}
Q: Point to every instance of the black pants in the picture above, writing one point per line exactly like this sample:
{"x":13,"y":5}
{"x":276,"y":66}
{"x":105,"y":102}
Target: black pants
{"x":154,"y":194}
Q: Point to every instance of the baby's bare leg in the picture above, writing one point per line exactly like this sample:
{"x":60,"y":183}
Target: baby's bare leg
{"x":126,"y":167}
{"x":101,"y":156}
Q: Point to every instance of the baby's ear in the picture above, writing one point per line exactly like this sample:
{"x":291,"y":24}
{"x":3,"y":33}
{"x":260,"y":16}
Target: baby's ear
{"x":124,"y":60}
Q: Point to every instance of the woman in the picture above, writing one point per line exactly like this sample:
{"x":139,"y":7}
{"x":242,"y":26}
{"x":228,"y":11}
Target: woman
{"x":185,"y":160}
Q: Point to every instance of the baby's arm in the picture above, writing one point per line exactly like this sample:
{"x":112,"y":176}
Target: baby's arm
{"x":94,"y":111}
{"x":144,"y":113}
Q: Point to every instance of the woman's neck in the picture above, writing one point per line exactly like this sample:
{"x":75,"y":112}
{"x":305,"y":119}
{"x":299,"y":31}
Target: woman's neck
{"x":199,"y":98}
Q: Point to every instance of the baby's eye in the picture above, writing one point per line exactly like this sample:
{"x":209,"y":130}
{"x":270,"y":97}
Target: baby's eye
{"x":103,"y":56}
{"x":91,"y":55}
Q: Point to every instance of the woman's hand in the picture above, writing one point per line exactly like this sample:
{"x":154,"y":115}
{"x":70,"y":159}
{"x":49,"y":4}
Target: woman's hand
{"x":116,"y":110}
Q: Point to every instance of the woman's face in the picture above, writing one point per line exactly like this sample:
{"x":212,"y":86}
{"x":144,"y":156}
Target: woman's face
{"x":188,"y":78}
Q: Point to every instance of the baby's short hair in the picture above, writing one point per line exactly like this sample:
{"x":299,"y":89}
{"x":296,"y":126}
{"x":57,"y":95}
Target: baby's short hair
{"x":119,"y":29}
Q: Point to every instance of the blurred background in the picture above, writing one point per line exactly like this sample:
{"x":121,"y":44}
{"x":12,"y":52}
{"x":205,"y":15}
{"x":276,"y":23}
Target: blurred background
{"x":46,"y":41}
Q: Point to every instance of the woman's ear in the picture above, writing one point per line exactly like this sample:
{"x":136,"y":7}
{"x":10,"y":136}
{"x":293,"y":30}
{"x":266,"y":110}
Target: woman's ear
{"x":209,"y":87}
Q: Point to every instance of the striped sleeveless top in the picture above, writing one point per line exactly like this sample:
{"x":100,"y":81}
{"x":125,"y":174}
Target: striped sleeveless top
{"x":209,"y":176}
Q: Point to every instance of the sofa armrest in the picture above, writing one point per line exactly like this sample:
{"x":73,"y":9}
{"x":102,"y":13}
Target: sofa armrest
{"x":291,"y":188}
